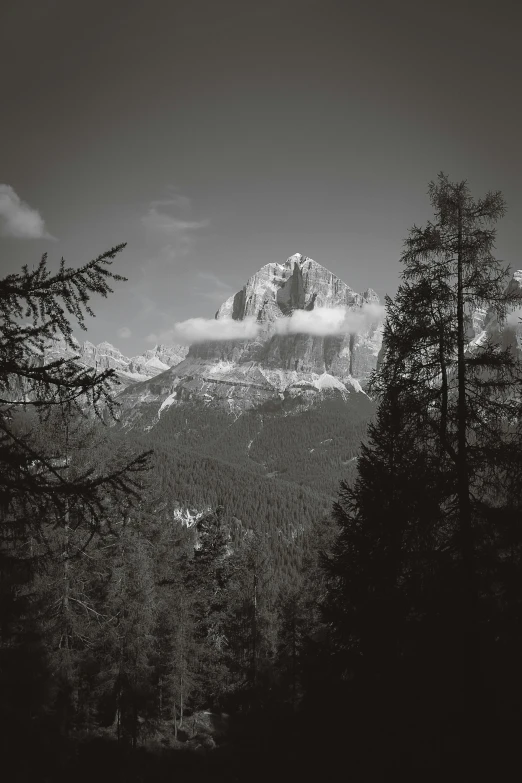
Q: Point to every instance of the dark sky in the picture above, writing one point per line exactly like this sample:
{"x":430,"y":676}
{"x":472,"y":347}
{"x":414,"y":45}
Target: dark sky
{"x":217,"y":135}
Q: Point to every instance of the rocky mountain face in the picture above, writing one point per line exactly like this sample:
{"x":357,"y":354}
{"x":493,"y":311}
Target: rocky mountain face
{"x":276,"y":292}
{"x":280,"y":362}
{"x":128,"y":370}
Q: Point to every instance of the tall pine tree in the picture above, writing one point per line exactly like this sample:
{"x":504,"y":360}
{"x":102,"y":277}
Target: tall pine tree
{"x":421,"y":559}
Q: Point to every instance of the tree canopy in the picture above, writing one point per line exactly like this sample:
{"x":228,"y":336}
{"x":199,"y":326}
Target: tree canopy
{"x":422,"y":565}
{"x":36,"y":308}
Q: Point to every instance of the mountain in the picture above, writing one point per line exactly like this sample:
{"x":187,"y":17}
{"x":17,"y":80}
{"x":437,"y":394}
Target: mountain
{"x":282,"y":361}
{"x":265,"y":426}
{"x":106,"y":357}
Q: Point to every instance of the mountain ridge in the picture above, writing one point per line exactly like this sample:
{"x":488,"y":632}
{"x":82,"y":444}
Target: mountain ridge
{"x":105,"y":356}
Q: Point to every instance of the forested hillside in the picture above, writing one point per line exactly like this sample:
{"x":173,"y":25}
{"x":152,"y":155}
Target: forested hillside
{"x":313,"y":446}
{"x":187,"y":601}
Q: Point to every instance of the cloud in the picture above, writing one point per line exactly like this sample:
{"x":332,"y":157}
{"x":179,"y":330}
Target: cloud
{"x":322,"y":321}
{"x":175,"y":200}
{"x":219,"y":292}
{"x":212,"y":278}
{"x":165,"y":223}
{"x":169,"y":225}
{"x":197,"y":330}
{"x":18,"y":219}
{"x":124,"y":332}
{"x":169,"y":233}
{"x":325,"y":321}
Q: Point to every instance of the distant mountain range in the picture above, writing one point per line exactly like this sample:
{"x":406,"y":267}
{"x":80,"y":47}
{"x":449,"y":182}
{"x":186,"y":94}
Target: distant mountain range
{"x":128,"y":370}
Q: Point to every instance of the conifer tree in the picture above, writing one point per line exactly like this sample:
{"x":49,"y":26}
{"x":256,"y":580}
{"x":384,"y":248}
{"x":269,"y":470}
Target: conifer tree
{"x":36,"y":308}
{"x":422,"y":550}
{"x":125,"y":644}
{"x":51,"y":497}
{"x":176,"y":644}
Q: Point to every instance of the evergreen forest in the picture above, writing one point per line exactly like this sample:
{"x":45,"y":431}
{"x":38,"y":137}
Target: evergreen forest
{"x":326,"y":592}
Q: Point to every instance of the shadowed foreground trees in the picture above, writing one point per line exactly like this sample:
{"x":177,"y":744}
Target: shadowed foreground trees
{"x":424,"y":568}
{"x":35,"y":476}
{"x":60,"y":483}
{"x":387,"y":637}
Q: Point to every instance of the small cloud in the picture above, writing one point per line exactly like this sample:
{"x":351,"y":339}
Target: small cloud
{"x":169,"y":228}
{"x":18,"y":219}
{"x":169,"y":225}
{"x":219,"y":292}
{"x":198,"y":330}
{"x":325,"y":321}
{"x":321,"y":321}
{"x":124,"y":332}
{"x":371,"y":314}
{"x":175,"y":200}
{"x":212,"y":278}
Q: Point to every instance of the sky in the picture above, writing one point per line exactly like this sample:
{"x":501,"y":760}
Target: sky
{"x":215,"y":136}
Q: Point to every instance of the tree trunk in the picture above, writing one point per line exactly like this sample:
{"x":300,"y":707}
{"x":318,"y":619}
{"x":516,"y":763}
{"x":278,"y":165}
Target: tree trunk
{"x":181,"y":701}
{"x":254,"y":633}
{"x":65,"y":642}
{"x":444,"y":394}
{"x":134,"y":723}
{"x":466,"y":530}
{"x":468,"y":666}
{"x":294,"y":659}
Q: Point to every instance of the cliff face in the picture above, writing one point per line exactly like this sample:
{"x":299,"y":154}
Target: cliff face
{"x":279,"y":362}
{"x":277,"y":291}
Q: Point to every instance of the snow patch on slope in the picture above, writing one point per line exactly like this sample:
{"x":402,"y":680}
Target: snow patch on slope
{"x":170,"y":400}
{"x":157,"y":364}
{"x":327,"y":381}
